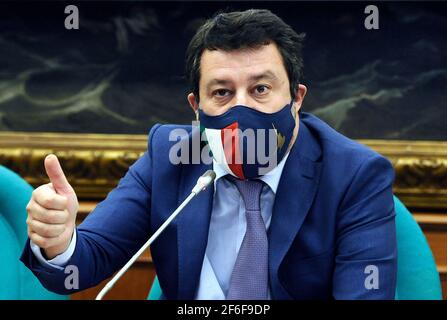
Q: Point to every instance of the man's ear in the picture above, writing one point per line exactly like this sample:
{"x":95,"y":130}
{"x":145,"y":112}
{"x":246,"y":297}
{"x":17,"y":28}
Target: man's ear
{"x":299,"y":96}
{"x":193,"y":102}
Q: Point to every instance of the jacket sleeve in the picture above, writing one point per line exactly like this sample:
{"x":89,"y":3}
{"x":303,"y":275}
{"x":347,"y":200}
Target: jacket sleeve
{"x":366,"y":248}
{"x":108,"y":237}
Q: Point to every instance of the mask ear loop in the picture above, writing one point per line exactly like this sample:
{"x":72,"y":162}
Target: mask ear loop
{"x":198,"y":113}
{"x":292,"y":108}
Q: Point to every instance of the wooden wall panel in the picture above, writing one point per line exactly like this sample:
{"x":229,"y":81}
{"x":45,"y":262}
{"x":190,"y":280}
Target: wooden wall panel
{"x":133,"y":285}
{"x":444,"y":284}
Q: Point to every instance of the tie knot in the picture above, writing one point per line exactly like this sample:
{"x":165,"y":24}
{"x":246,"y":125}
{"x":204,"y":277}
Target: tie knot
{"x":250,"y":191}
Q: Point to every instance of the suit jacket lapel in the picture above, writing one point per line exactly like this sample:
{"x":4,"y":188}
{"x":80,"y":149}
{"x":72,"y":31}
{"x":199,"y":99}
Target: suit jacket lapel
{"x":192,"y":229}
{"x":294,"y":197}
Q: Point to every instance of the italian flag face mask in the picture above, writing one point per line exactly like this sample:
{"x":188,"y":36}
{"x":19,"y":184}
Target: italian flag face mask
{"x":246,"y":142}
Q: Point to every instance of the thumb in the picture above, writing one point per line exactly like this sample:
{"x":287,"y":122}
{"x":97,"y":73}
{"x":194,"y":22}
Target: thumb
{"x":57,"y":176}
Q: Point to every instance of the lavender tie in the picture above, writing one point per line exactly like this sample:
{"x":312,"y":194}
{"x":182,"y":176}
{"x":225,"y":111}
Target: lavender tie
{"x":249,"y":279}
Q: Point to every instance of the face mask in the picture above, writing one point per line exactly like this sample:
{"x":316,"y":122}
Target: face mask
{"x":246,"y":142}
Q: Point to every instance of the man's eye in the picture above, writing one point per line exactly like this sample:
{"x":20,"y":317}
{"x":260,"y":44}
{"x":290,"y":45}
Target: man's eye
{"x":261,"y":89}
{"x":221,"y":93}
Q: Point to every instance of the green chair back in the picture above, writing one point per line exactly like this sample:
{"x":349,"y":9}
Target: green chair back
{"x":417,"y":274}
{"x":16,"y":281}
{"x":155,"y":293}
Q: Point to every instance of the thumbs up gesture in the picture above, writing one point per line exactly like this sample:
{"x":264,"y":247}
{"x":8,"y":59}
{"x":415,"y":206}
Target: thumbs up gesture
{"x":52,"y":211}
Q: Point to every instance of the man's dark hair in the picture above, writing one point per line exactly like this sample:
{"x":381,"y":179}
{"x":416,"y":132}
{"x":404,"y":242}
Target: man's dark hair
{"x":245,"y":29}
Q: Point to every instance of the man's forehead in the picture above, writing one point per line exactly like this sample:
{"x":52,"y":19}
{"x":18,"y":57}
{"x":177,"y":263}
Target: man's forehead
{"x":243,"y":55}
{"x":253,"y":62}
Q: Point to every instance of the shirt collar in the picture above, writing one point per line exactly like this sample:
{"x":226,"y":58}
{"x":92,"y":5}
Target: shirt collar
{"x":271,"y":178}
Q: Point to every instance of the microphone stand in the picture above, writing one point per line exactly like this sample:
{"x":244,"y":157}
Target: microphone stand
{"x":202,"y":183}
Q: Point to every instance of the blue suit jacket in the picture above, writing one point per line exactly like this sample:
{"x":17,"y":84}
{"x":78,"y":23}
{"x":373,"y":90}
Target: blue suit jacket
{"x":333,"y":217}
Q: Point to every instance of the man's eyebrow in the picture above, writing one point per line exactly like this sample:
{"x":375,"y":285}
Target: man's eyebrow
{"x":217,"y":82}
{"x":269,"y":75}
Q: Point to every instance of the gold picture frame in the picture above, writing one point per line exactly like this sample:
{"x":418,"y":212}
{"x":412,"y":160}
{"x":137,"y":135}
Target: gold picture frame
{"x":94,"y":163}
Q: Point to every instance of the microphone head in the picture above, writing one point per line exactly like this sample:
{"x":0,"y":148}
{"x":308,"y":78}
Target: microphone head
{"x":204,"y":181}
{"x":209,"y":173}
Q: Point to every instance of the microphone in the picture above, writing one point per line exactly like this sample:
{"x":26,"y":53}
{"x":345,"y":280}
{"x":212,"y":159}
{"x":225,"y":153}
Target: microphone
{"x":202,"y":183}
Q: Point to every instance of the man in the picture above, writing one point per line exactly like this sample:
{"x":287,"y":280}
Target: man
{"x":317,"y":224}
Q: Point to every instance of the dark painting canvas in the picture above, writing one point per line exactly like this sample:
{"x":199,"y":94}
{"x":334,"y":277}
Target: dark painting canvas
{"x":122,"y":71}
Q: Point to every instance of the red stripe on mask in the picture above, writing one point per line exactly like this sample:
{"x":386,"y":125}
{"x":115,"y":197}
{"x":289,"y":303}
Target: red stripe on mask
{"x":230,"y":143}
